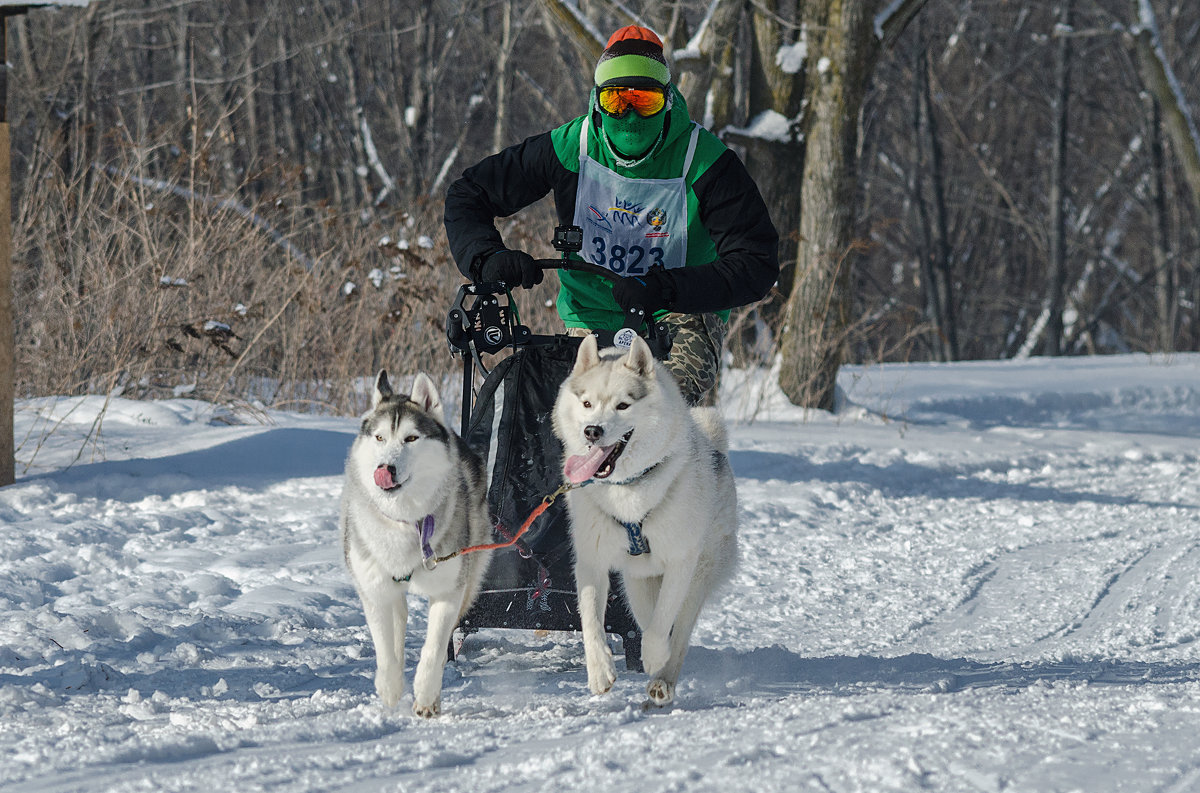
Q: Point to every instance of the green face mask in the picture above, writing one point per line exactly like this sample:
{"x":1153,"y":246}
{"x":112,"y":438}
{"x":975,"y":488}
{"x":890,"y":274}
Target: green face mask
{"x":633,"y":136}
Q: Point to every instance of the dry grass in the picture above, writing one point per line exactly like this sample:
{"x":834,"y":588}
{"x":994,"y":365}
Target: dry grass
{"x":152,"y":287}
{"x":155,"y":288}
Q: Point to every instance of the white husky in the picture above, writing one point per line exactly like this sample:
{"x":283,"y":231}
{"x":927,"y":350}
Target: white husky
{"x":661,"y":507}
{"x":413,"y":492}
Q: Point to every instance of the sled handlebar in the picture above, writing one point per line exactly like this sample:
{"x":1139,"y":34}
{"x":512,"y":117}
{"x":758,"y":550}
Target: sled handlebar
{"x":634,"y":317}
{"x":577,"y":266}
{"x":487,"y":326}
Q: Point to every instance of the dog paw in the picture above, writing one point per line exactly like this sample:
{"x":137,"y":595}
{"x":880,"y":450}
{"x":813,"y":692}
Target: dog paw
{"x":660,"y":692}
{"x":601,"y":671}
{"x":427,"y":711}
{"x":389,"y":686}
{"x":601,"y":675}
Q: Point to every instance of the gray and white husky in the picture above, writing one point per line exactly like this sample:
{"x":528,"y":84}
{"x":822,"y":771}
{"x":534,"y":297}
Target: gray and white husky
{"x":661,"y":507}
{"x":413,"y":492}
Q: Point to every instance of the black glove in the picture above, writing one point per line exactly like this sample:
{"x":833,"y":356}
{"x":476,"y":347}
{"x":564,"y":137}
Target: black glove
{"x":651,"y":292}
{"x":514,"y":268}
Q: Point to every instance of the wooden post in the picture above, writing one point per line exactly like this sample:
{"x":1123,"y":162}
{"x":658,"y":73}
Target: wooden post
{"x":7,"y":358}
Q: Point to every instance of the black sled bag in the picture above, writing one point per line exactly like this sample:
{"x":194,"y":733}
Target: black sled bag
{"x":531,"y":585}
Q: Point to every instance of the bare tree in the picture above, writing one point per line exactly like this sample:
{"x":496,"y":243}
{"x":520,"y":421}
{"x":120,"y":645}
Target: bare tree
{"x":1058,"y":180}
{"x":843,"y":47}
{"x":936,"y":270}
{"x":920,"y":183}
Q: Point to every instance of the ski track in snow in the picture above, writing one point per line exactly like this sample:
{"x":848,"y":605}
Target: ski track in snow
{"x":973,"y":577}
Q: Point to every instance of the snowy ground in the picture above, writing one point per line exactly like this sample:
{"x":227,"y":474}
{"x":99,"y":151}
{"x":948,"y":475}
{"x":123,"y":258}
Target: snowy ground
{"x":978,"y":576}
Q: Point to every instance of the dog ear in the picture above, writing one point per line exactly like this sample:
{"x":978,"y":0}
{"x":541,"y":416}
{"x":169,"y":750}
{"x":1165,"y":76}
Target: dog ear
{"x":425,"y":394}
{"x":588,"y":356}
{"x":383,"y":389}
{"x":640,"y":359}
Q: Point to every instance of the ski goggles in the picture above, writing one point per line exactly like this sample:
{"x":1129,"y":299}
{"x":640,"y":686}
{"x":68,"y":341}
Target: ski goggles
{"x":618,"y":100}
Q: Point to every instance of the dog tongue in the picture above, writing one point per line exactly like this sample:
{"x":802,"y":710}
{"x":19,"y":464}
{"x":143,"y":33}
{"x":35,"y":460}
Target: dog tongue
{"x":581,"y":466}
{"x":383,"y":478}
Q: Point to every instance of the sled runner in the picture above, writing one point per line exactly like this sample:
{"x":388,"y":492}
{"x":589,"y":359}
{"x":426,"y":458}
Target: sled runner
{"x":531,"y":584}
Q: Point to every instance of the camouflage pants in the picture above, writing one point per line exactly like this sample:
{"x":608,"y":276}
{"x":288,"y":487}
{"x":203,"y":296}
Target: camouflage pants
{"x":695,"y":359}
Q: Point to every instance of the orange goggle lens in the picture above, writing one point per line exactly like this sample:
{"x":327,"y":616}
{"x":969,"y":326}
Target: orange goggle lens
{"x":617,"y":101}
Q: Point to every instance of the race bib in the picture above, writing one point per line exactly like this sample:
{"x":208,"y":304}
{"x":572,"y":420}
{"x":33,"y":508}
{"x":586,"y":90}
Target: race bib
{"x":630,"y":225}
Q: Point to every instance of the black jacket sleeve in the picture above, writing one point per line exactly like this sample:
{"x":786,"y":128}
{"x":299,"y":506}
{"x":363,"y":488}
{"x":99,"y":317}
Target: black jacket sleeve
{"x":736,"y":217}
{"x":499,"y":186}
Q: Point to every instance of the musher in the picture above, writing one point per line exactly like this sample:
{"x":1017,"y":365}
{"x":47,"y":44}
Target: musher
{"x":662,"y":202}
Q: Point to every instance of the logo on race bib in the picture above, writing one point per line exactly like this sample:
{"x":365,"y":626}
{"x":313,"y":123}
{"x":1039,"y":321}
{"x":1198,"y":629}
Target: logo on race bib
{"x":657,"y":218}
{"x":597,"y":218}
{"x":627,"y":212}
{"x":624,"y":337}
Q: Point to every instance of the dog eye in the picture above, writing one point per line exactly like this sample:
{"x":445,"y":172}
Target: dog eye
{"x":412,"y":438}
{"x":379,"y":438}
{"x":623,"y":406}
{"x":587,"y":404}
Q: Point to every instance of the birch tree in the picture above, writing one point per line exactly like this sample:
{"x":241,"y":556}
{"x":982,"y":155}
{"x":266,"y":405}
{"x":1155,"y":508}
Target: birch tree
{"x":1161,"y":81}
{"x":1170,"y":109}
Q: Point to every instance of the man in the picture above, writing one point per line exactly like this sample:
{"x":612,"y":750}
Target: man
{"x":661,"y":201}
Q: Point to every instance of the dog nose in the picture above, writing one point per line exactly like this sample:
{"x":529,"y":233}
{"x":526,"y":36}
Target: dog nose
{"x":593,"y":432}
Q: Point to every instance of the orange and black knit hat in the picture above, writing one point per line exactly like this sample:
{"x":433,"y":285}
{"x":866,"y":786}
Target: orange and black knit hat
{"x":633,"y":57}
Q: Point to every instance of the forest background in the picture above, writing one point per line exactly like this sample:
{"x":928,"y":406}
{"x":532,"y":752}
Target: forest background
{"x":241,"y":200}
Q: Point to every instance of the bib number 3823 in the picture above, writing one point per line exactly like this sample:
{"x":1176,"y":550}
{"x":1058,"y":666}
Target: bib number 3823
{"x":632,"y":260}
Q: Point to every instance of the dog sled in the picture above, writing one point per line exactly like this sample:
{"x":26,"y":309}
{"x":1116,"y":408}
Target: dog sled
{"x":530,"y":584}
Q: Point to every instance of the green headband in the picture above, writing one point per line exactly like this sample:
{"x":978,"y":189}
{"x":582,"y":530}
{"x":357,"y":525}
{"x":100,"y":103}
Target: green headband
{"x":613,"y":70}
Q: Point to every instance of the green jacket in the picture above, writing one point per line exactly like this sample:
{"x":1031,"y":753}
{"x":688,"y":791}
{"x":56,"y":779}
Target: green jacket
{"x":732,"y":252}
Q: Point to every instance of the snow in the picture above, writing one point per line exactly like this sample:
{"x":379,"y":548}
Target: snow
{"x":790,"y":57}
{"x":972,"y":577}
{"x":695,"y":45}
{"x":767,"y":125}
{"x":885,"y":15}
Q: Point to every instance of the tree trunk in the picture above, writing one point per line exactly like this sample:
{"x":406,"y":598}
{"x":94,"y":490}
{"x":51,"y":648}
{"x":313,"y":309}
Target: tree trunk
{"x":1177,"y":116}
{"x":7,"y":341}
{"x":503,"y":76}
{"x":1195,"y":312}
{"x":290,"y":137}
{"x":841,"y":54}
{"x":1058,"y":183}
{"x":943,"y":269}
{"x":926,"y":243}
{"x":1164,"y":273}
{"x":249,"y":146}
{"x":777,"y":166}
{"x":706,"y":84}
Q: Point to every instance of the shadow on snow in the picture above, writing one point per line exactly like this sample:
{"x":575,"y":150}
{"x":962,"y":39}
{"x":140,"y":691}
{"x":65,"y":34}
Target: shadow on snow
{"x":905,"y":479}
{"x":256,"y":461}
{"x":776,"y":670}
{"x":498,"y":665}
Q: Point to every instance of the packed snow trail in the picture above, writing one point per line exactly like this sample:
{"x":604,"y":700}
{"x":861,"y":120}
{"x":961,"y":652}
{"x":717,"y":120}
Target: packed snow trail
{"x":974,"y":576}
